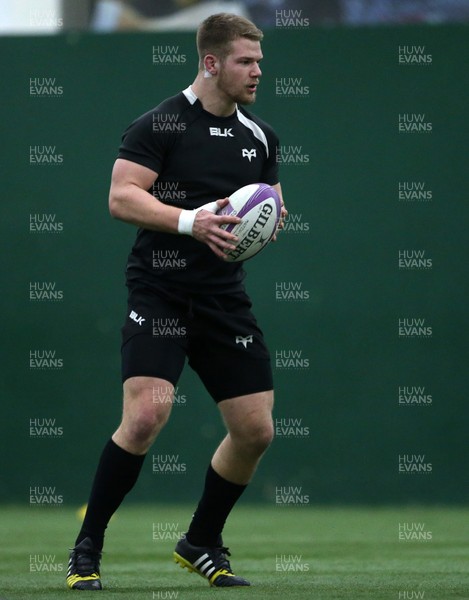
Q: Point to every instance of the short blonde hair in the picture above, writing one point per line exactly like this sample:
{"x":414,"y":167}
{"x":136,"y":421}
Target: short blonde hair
{"x":215,"y":34}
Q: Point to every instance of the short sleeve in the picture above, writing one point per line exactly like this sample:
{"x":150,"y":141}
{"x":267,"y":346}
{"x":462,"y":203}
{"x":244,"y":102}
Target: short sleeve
{"x":140,"y":144}
{"x":270,"y":173}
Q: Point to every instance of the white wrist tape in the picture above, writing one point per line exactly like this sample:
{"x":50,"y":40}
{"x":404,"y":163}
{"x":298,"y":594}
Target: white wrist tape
{"x":187,"y":217}
{"x":186,"y":221}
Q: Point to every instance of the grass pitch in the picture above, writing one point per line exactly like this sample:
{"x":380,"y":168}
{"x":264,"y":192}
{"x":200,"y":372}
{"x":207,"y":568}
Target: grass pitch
{"x":287,"y":553}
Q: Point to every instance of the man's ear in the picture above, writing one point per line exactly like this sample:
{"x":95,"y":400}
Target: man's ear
{"x":211,"y":64}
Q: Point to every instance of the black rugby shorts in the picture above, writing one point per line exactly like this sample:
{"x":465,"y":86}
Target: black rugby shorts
{"x":218,"y":334}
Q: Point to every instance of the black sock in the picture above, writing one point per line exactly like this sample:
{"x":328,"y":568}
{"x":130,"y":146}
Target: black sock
{"x":217,"y":500}
{"x":117,"y":472}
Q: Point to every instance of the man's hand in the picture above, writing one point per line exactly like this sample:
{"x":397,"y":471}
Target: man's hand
{"x":205,"y":226}
{"x":281,"y":223}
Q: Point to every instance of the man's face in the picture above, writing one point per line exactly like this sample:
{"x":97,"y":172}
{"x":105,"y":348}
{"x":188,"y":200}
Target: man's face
{"x":239,"y":73}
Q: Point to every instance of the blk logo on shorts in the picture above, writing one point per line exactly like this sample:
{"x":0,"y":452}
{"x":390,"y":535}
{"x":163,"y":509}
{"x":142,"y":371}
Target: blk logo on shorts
{"x":244,"y":340}
{"x":134,"y":316}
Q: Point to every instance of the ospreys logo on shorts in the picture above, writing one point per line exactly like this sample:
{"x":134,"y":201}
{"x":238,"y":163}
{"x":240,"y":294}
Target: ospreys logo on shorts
{"x":244,"y":340}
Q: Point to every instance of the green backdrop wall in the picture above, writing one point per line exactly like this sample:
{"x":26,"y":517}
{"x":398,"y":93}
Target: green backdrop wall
{"x":366,"y":117}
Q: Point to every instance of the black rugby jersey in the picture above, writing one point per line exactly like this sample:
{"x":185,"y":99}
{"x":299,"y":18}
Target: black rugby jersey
{"x":199,"y":158}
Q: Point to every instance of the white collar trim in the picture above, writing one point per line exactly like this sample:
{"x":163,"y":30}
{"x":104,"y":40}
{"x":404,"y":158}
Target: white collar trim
{"x":189,"y":94}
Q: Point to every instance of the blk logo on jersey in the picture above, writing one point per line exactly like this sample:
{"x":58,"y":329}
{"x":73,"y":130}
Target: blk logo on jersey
{"x":249,"y":153}
{"x":244,"y":340}
{"x":134,"y":316}
{"x":218,"y":132}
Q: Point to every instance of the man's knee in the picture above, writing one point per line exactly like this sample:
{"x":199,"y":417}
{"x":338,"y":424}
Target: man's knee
{"x":263,"y":435}
{"x":147,"y":407}
{"x":143,"y":425}
{"x":256,"y":435}
{"x":249,"y":421}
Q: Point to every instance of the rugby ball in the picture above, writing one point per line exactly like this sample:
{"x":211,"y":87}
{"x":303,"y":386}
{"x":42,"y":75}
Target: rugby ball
{"x":259,"y":207}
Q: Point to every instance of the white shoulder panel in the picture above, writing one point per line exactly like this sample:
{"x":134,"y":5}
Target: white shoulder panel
{"x":257,"y":131}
